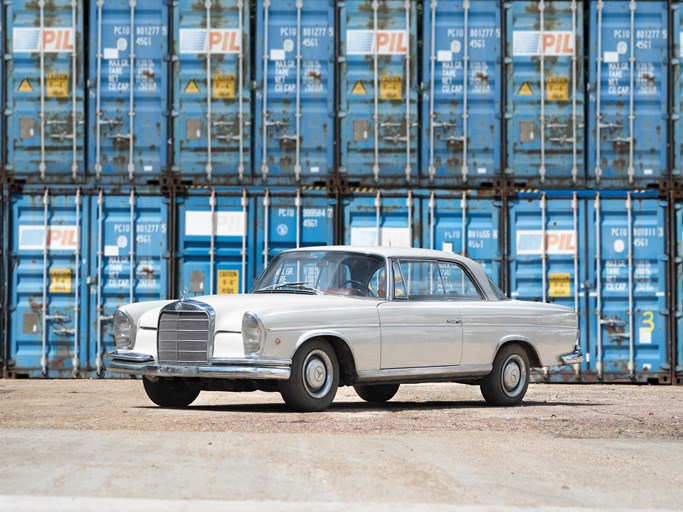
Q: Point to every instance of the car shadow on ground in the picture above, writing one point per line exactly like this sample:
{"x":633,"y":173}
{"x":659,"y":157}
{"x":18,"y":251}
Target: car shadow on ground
{"x":356,"y":407}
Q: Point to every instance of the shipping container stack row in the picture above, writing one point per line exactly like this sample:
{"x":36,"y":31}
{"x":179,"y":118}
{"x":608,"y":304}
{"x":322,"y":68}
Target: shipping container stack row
{"x":176,"y":147}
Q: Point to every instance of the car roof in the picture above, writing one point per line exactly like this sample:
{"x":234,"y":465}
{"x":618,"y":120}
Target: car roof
{"x":391,"y":252}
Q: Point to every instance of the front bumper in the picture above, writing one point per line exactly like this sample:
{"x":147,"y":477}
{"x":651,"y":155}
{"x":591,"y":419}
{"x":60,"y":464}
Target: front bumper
{"x":575,"y":357}
{"x":260,"y":368}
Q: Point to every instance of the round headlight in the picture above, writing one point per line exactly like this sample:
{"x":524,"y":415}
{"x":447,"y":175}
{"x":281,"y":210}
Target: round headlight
{"x":253,"y":333}
{"x":124,"y":330}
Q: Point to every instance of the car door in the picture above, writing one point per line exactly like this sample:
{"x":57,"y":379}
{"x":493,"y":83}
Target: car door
{"x":420,"y":325}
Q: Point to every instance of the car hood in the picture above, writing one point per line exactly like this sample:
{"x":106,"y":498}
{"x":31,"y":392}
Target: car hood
{"x":269,"y":307}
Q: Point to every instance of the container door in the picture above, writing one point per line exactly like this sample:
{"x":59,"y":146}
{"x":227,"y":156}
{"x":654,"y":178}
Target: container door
{"x":287,"y":221}
{"x":45,"y":92}
{"x":128,"y":262}
{"x":629,"y":92}
{"x":380,"y":221}
{"x":677,"y":345}
{"x":545,"y":93}
{"x":677,"y":93}
{"x":295,"y":96}
{"x":461,"y":103}
{"x":378,"y":82}
{"x":464,"y":225}
{"x":211,"y":90}
{"x":628,"y":305}
{"x":47,"y":285}
{"x":128,"y":82}
{"x":215,"y":238}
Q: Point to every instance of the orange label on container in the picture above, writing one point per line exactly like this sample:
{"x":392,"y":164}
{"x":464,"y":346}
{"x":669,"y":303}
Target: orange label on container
{"x":228,"y":282}
{"x":557,"y":88}
{"x":25,"y":86}
{"x":191,"y":88}
{"x":559,"y":285}
{"x":359,"y":89}
{"x":525,"y":90}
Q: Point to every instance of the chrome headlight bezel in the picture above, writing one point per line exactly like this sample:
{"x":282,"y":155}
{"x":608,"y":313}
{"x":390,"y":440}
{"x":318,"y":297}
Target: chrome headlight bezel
{"x":253,"y":333}
{"x":124,"y":330}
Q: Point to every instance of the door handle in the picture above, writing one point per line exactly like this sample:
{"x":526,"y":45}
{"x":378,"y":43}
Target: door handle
{"x":454,"y":321}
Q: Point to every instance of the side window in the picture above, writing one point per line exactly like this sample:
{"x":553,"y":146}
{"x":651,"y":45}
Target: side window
{"x":418,"y":280}
{"x":457,"y":283}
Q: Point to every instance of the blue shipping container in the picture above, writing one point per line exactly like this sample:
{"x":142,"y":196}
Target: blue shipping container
{"x":678,"y":333}
{"x":215,"y":243}
{"x":129,"y":262}
{"x":627,"y":305}
{"x":547,"y":258}
{"x":545,"y":98}
{"x":377,"y":47}
{"x":128,"y":83}
{"x":212,"y":97}
{"x":45,"y":89}
{"x":288,"y":220}
{"x":677,"y":105}
{"x":461,"y":103}
{"x":47,"y":334}
{"x":464,"y":224}
{"x":628,"y":77}
{"x":294,"y":109}
{"x":375,"y":219}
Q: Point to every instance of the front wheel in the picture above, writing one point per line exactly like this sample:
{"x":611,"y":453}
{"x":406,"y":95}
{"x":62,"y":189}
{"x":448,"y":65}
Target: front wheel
{"x":170,"y":392}
{"x":508,"y":381}
{"x":376,"y":393}
{"x":314,"y":380}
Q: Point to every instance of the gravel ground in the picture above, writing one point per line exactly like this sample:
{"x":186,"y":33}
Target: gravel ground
{"x":81,"y":444}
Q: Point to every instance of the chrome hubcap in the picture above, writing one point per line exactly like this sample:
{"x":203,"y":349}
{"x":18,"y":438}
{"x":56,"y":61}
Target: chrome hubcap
{"x":317,"y":374}
{"x":514,"y":375}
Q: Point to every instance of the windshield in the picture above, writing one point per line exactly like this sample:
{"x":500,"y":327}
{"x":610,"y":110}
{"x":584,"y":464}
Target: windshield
{"x":325,"y":272}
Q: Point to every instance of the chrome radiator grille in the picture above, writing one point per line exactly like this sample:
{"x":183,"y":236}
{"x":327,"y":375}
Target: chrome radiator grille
{"x":183,"y":337}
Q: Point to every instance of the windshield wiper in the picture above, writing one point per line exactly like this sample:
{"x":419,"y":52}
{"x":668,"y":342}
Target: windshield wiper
{"x":302,"y":285}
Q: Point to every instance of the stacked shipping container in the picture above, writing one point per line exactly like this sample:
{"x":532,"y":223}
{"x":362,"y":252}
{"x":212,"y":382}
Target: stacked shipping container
{"x":175,"y":148}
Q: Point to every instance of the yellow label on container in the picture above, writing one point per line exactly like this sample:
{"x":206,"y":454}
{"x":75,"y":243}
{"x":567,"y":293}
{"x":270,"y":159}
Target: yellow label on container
{"x":559,"y":285}
{"x":60,"y":280}
{"x":224,"y":87}
{"x":57,"y":85}
{"x":228,"y":282}
{"x":192,"y":87}
{"x":391,"y":87}
{"x":525,"y":90}
{"x":359,"y":89}
{"x":25,"y":86}
{"x":557,"y":88}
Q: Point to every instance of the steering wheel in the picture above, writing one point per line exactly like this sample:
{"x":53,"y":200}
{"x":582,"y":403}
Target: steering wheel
{"x":364,"y":290}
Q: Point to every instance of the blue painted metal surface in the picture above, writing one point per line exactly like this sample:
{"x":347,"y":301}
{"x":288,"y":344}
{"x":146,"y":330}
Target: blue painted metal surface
{"x":627,"y":306}
{"x":461,"y":103}
{"x":677,"y":345}
{"x":295,"y":77}
{"x":212,"y":101}
{"x":45,"y":90}
{"x":677,"y":92}
{"x":377,"y":48}
{"x":215,"y":243}
{"x":128,"y":85}
{"x":547,"y":258}
{"x":545,"y":98}
{"x":289,"y":219}
{"x":628,"y":110}
{"x":464,"y":224}
{"x":376,"y":219}
{"x":47,"y":335}
{"x":128,"y":262}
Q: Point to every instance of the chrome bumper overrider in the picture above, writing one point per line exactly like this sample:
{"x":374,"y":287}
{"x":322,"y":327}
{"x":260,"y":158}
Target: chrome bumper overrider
{"x":224,"y":368}
{"x":573,"y":358}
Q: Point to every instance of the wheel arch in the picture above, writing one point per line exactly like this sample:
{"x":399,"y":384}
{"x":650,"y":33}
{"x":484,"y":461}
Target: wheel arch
{"x":342,"y":349}
{"x":527,"y":346}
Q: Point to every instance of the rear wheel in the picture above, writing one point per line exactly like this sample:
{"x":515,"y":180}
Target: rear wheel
{"x":314,"y":380}
{"x":508,"y":381}
{"x":376,"y":393}
{"x":170,"y":392}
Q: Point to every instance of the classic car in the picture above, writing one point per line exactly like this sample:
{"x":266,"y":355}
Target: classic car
{"x":323,"y":317}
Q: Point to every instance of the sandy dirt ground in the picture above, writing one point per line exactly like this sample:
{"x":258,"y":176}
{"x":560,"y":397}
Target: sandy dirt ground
{"x":86,"y":444}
